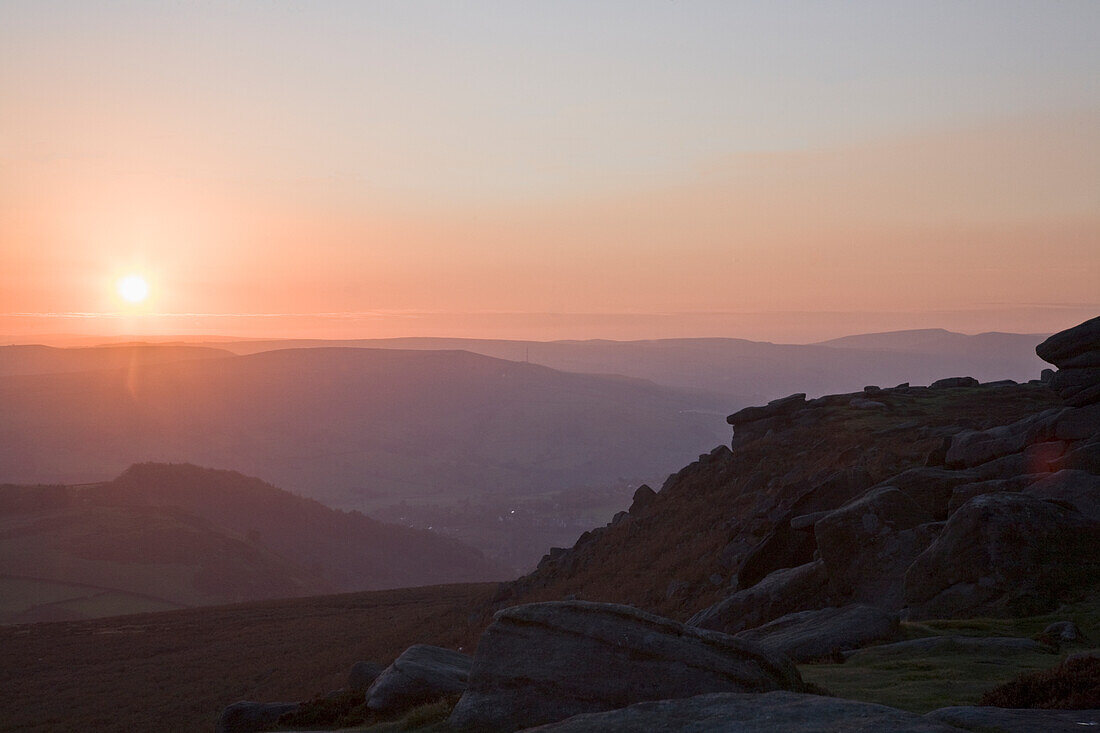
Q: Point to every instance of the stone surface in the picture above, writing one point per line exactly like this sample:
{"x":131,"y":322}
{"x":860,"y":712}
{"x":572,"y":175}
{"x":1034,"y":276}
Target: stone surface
{"x":784,"y":591}
{"x":1006,"y":720}
{"x":421,"y":674}
{"x":363,"y":674}
{"x":783,"y":547}
{"x":1003,"y":554}
{"x":544,"y":662}
{"x":253,"y":717}
{"x":775,"y":408}
{"x":1065,"y":631}
{"x":772,"y":712}
{"x":950,"y":382}
{"x":643,"y":497}
{"x":1078,"y":489}
{"x":1065,"y":346}
{"x":808,"y":635}
{"x":867,"y":545}
{"x":930,"y":487}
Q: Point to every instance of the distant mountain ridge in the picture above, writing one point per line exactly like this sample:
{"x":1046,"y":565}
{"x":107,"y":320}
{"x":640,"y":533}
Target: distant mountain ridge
{"x":747,"y":372}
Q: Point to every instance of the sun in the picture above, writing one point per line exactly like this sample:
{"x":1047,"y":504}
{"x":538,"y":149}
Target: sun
{"x":132,"y":288}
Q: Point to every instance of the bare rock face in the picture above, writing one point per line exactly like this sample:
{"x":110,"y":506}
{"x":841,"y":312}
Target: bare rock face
{"x":809,"y":635}
{"x":544,"y":662}
{"x":421,"y":674}
{"x":868,"y":544}
{"x":1004,"y":554}
{"x":782,"y":592}
{"x":763,"y":713}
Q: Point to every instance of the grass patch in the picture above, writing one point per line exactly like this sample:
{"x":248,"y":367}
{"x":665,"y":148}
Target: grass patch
{"x":921,"y":682}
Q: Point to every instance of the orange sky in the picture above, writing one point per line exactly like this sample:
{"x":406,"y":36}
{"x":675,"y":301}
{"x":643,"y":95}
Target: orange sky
{"x":907,"y":222}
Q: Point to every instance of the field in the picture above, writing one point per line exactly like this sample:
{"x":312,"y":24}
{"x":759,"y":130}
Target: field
{"x":176,"y":670}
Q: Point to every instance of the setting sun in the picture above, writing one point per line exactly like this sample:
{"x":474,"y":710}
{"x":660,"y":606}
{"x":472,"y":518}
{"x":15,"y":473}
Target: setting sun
{"x":133,"y":288}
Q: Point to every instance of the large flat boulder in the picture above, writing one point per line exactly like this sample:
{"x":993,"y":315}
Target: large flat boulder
{"x":809,"y":635}
{"x":544,"y":662}
{"x":782,"y":592}
{"x":421,"y":674}
{"x":1005,"y":554}
{"x":1008,"y":720}
{"x":770,"y":712}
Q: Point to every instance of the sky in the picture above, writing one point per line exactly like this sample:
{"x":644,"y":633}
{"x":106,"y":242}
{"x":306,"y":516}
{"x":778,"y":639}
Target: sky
{"x":786,"y":171}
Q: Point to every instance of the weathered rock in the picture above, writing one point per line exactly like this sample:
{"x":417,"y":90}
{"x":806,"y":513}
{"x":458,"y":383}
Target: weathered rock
{"x":1006,"y":720}
{"x":421,"y":674}
{"x":965,"y":492}
{"x":782,"y":548}
{"x":1077,"y":423}
{"x":770,"y":712}
{"x":1083,"y":456}
{"x":867,"y":545}
{"x":975,"y":447}
{"x":643,"y":497}
{"x":544,"y":662}
{"x":782,"y":406}
{"x":1077,"y":386}
{"x":363,"y":674}
{"x":861,"y":403}
{"x":1003,"y":554}
{"x":1078,"y":346}
{"x":1065,"y":631}
{"x":253,"y":717}
{"x":1078,"y":489}
{"x":995,"y":646}
{"x":782,"y":592}
{"x":930,"y":487}
{"x":950,"y":382}
{"x":808,"y":635}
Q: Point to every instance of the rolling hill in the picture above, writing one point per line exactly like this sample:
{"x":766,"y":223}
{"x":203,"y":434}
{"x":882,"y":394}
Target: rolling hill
{"x":168,"y":536}
{"x":353,"y":427}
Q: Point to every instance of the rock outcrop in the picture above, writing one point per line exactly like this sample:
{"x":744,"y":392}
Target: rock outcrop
{"x":1004,"y":554}
{"x":1076,"y":353}
{"x":253,"y":717}
{"x":762,"y":713}
{"x":810,"y":635}
{"x":421,"y":674}
{"x":867,"y":545}
{"x":784,"y":591}
{"x":544,"y":662}
{"x":363,"y":674}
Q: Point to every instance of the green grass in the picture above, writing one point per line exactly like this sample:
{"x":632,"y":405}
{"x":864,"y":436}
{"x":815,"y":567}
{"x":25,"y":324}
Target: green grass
{"x":921,"y":682}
